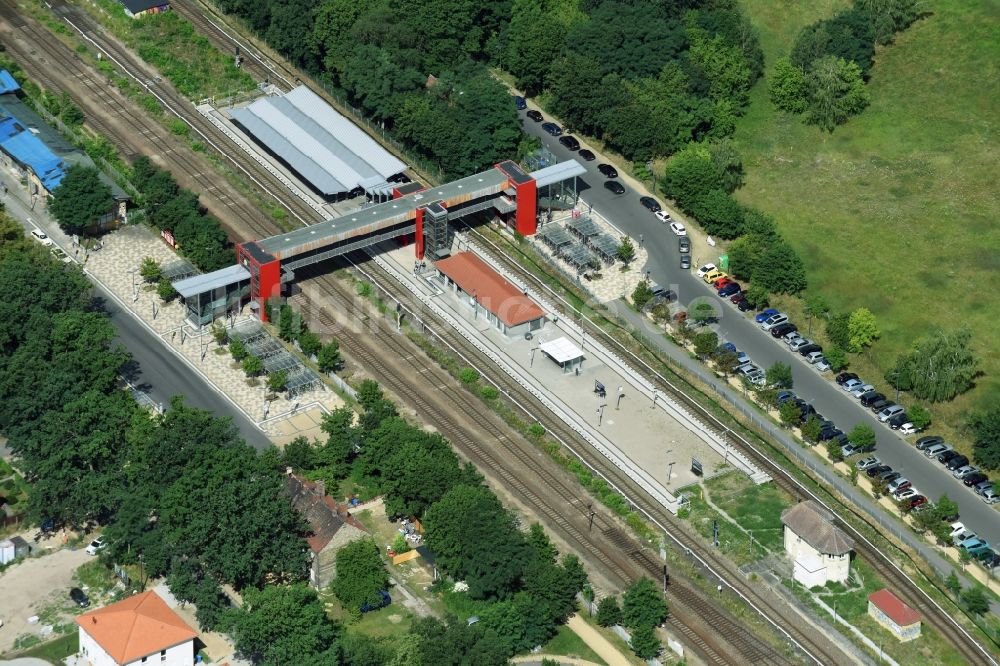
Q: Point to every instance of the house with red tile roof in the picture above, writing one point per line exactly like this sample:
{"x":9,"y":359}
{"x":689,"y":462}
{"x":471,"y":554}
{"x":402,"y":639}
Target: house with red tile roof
{"x":331,"y":526}
{"x":136,"y":631}
{"x":890,"y":611}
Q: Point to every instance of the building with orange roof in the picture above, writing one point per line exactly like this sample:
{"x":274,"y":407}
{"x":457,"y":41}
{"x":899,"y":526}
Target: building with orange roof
{"x":135,"y":631}
{"x":892,"y":613}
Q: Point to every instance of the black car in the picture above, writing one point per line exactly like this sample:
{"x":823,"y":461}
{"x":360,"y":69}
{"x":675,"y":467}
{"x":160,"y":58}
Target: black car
{"x":570,"y":142}
{"x":956,"y":462}
{"x":947,"y":456}
{"x":808,"y":349}
{"x":650,"y":204}
{"x":79,"y":598}
{"x":519,"y":103}
{"x":879,"y":405}
{"x":614,"y":186}
{"x":929,"y":441}
{"x":974,"y":479}
{"x":870,"y":398}
{"x":872,"y":472}
{"x":897,"y":421}
{"x":830,"y":433}
{"x":534,"y":115}
{"x":607,"y":170}
{"x":587,"y":155}
{"x":742,"y":306}
{"x":552,"y":129}
{"x":783,"y":329}
{"x":686,"y":261}
{"x":845,"y":377}
{"x":684,"y":243}
{"x":889,"y":476}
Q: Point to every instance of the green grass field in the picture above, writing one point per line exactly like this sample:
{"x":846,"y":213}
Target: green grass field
{"x":898,"y":209}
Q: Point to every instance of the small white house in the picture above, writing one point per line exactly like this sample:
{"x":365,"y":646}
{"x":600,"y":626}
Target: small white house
{"x":136,"y":631}
{"x":820,"y":551}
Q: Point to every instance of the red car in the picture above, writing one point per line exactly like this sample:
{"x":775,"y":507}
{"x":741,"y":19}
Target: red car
{"x":914,"y":502}
{"x":721,"y":282}
{"x":735,"y":300}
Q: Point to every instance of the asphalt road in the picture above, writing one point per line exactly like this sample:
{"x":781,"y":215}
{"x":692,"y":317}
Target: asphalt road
{"x":928,"y":476}
{"x":157,"y":370}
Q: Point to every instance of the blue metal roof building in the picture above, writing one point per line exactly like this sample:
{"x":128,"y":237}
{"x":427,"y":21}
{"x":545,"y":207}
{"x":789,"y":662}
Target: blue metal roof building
{"x":29,"y":150}
{"x":7,"y":82}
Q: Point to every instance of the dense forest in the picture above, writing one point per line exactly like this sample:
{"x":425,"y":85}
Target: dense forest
{"x":646,"y":77}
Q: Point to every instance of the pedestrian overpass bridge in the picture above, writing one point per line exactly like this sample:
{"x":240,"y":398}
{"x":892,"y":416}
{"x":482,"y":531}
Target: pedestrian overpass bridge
{"x":413,"y":212}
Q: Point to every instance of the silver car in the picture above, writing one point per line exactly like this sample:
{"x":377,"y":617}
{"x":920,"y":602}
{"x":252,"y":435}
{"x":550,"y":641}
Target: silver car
{"x":933,"y":451}
{"x":964,"y":471}
{"x":859,"y":390}
{"x":799,"y":343}
{"x":889,"y":412}
{"x":773,"y":321}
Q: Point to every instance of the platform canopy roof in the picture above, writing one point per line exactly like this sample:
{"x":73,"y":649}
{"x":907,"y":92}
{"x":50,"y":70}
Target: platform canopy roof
{"x":558,"y":172}
{"x":324,"y":147}
{"x":561,"y":350}
{"x":200,"y":284}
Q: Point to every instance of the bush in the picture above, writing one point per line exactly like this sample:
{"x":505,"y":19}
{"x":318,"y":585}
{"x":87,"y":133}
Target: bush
{"x":468,"y":376}
{"x":166,"y":291}
{"x":609,"y":613}
{"x":309,"y":343}
{"x":642,"y":294}
{"x":277,"y":381}
{"x":489,"y":392}
{"x":238,"y":350}
{"x":252,"y":365}
{"x":328,"y":358}
{"x":150,"y":270}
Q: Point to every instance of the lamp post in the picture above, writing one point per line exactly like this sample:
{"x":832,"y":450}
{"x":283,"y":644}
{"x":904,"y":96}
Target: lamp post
{"x":600,"y":413}
{"x":621,"y":394}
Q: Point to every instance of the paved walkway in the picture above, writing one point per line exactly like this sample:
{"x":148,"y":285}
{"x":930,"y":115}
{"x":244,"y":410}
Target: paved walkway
{"x":604,"y":648}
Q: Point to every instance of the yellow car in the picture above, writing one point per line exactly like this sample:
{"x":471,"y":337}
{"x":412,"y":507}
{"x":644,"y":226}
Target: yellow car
{"x":713,"y":276}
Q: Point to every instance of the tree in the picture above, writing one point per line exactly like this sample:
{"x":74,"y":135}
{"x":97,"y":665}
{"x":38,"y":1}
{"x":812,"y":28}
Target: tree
{"x":757,"y":296}
{"x":862,"y":329}
{"x":704,"y":313}
{"x":920,"y":416}
{"x":788,"y":90}
{"x":986,"y":430}
{"x":779,"y":375}
{"x":718,"y":213}
{"x":644,"y":643}
{"x":237,"y":349}
{"x":811,"y":429}
{"x":836,"y":92}
{"x":277,"y":381}
{"x":847,"y":36}
{"x":80,"y":200}
{"x":889,"y":17}
{"x":951,"y":582}
{"x":165,"y":290}
{"x":815,"y":306}
{"x":609,"y":613}
{"x":328,"y":358}
{"x":691,"y":173}
{"x":744,"y":251}
{"x":150,"y":270}
{"x":626,"y":250}
{"x":252,"y":365}
{"x":834,"y":450}
{"x":705,"y":343}
{"x":309,"y":343}
{"x":779,"y":269}
{"x":283,"y":624}
{"x":289,"y":323}
{"x":975,"y":600}
{"x":790,"y":413}
{"x":643,"y":605}
{"x":837,"y":330}
{"x":862,"y":435}
{"x":837,"y":358}
{"x":361,"y":575}
{"x":946,"y":508}
{"x":642,"y":294}
{"x":725,"y":360}
{"x":938,"y":367}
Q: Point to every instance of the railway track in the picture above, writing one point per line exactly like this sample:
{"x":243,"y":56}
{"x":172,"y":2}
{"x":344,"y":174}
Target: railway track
{"x":901,"y":584}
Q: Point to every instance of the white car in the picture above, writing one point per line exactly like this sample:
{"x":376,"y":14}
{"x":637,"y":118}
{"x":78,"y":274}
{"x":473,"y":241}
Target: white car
{"x":814,"y":357}
{"x":705,"y":270}
{"x":909,"y":429}
{"x":41,"y":237}
{"x":957,"y":528}
{"x":678,"y":229}
{"x":663,"y":216}
{"x":96,"y":546}
{"x":822,"y":364}
{"x":905,"y":494}
{"x":859,"y":390}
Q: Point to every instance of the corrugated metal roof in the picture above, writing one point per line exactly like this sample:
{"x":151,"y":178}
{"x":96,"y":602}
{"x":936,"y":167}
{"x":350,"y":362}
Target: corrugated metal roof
{"x":326,"y":148}
{"x":7,"y":82}
{"x":30,"y":150}
{"x":557,"y":173}
{"x":223,"y":277}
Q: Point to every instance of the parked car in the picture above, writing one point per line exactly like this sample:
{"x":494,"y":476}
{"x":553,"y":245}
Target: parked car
{"x":782,"y":330}
{"x":868,"y":463}
{"x":851,"y":384}
{"x":773,"y":321}
{"x":973,"y":542}
{"x":60,"y":255}
{"x":982,"y":487}
{"x":570,"y":142}
{"x":683,"y":244}
{"x":936,"y":450}
{"x":957,"y":462}
{"x":685,"y":262}
{"x":904,"y":493}
{"x":852,"y":449}
{"x":808,"y":349}
{"x":765,"y":314}
{"x":552,"y":129}
{"x":909,"y":428}
{"x":956,"y":529}
{"x":822,"y":364}
{"x":519,"y":103}
{"x":945,"y":456}
{"x":896,"y":422}
{"x":96,"y":546}
{"x":743,"y":305}
{"x":974,"y":479}
{"x":826,"y":434}
{"x":722,"y":282}
{"x":607,"y":170}
{"x":534,"y":115}
{"x":661,"y":215}
{"x":914,"y":502}
{"x":899,"y":484}
{"x":730,"y":289}
{"x":963,"y":536}
{"x":964,"y":471}
{"x":587,"y":155}
{"x":783,"y":396}
{"x":706,"y":269}
{"x":814,"y":356}
{"x":79,"y":598}
{"x":991,"y":496}
{"x":870,"y":398}
{"x":614,"y":187}
{"x":872,"y":472}
{"x":889,"y":412}
{"x":859,"y":391}
{"x":929,"y":440}
{"x":845,"y":377}
{"x":879,"y":405}
{"x":650,"y":204}
{"x":714,"y":277}
{"x":41,"y":237}
{"x":799,"y":343}
{"x":678,"y":229}
{"x":889,"y":476}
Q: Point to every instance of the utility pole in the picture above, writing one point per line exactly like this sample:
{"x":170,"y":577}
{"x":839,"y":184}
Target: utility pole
{"x":591,"y":514}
